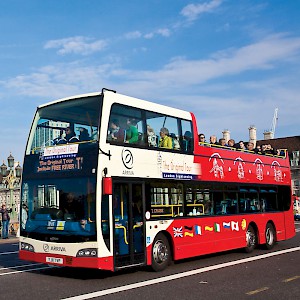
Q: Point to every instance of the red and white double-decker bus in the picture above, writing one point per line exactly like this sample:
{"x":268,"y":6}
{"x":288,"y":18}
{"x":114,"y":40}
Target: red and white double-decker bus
{"x":111,"y":181}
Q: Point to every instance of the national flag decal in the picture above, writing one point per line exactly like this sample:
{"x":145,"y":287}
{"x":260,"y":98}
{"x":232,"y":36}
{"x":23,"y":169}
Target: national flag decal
{"x":187,"y":233}
{"x":217,"y":227}
{"x":226,"y":225}
{"x":197,"y":230}
{"x":235,"y":226}
{"x":178,"y":232}
{"x":208,"y":228}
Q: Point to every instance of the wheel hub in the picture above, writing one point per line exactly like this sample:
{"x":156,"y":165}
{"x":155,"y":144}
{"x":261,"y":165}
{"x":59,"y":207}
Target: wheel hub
{"x":160,"y":252}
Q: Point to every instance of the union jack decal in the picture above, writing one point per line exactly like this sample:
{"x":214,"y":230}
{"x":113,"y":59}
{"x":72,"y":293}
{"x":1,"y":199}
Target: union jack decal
{"x":178,"y":232}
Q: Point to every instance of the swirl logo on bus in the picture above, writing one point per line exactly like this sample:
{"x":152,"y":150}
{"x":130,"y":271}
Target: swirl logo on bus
{"x":46,"y":247}
{"x":127,"y":158}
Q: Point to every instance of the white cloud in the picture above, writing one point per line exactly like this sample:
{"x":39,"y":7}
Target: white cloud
{"x":133,"y":35}
{"x":78,"y":45}
{"x":192,"y":11}
{"x":164,"y":32}
{"x":179,"y":72}
{"x":257,"y":56}
{"x":149,"y":35}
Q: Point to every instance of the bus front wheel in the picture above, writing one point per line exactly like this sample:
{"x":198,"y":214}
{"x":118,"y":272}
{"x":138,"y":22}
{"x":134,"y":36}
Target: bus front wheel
{"x":251,"y":239}
{"x":161,"y":253}
{"x":270,"y":235}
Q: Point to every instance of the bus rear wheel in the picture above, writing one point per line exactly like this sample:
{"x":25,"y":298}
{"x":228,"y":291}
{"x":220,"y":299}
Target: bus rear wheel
{"x":270,"y":235}
{"x":161,"y":253}
{"x":251,"y":239}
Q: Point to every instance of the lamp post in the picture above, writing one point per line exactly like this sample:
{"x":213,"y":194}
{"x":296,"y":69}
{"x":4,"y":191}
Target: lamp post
{"x":10,"y":186}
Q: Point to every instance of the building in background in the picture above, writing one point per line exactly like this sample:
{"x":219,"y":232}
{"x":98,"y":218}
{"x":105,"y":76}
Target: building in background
{"x":10,"y":186}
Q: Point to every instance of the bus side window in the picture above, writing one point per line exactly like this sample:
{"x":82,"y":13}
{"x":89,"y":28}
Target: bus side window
{"x":187,"y":136}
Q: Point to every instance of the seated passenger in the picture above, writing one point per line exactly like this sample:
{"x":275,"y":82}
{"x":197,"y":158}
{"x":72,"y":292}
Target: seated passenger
{"x":132,"y":134}
{"x":151,"y":136}
{"x":213,"y":140}
{"x":250,"y":146}
{"x":231,"y":143}
{"x":175,"y":142}
{"x":268,"y":149}
{"x":240,"y":146}
{"x":201,"y":137}
{"x":258,"y":149}
{"x":222,"y":142}
{"x":115,"y":133}
{"x":165,"y":141}
{"x":187,"y":141}
{"x":70,"y":135}
{"x":61,"y":139}
{"x":84,"y":134}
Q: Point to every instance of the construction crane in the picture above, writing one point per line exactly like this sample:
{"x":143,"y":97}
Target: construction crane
{"x":269,"y":134}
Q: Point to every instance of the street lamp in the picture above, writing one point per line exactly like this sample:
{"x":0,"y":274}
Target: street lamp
{"x":3,"y":169}
{"x":11,"y":161}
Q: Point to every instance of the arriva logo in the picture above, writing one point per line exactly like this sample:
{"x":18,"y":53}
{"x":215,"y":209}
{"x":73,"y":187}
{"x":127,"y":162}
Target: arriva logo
{"x":127,"y":158}
{"x":46,"y":247}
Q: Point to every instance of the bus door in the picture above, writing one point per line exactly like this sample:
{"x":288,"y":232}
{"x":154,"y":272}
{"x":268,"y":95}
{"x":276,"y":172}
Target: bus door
{"x":129,"y":241}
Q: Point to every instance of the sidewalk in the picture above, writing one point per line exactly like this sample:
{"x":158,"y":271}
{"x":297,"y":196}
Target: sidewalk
{"x":11,"y":239}
{"x":13,"y":234}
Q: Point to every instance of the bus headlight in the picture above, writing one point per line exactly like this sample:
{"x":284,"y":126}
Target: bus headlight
{"x":27,"y":247}
{"x":89,"y":252}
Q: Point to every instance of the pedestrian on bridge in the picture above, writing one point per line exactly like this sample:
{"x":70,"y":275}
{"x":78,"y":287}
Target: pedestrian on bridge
{"x":5,"y":220}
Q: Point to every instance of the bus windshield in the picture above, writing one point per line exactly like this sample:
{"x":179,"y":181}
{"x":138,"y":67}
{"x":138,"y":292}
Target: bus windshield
{"x":71,"y":121}
{"x":58,"y":201}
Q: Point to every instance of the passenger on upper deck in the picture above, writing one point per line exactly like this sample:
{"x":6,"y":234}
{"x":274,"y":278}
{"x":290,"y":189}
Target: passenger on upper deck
{"x":213,"y":140}
{"x":222,"y":142}
{"x":175,"y":142}
{"x":241,"y":146}
{"x":268,"y":149}
{"x":115,"y":132}
{"x":132,"y":134}
{"x":258,"y":149}
{"x":70,"y":135}
{"x":187,"y":141}
{"x":84,"y":134}
{"x":201,"y":137}
{"x":151,"y":136}
{"x":61,"y":139}
{"x":165,"y":141}
{"x":231,"y":143}
{"x":250,"y":146}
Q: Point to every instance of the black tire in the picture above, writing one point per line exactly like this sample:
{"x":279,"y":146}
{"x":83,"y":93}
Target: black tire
{"x":251,"y":239}
{"x":161,"y":253}
{"x":270,"y":236}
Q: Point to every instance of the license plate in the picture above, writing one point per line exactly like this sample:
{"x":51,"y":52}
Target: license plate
{"x":54,"y":260}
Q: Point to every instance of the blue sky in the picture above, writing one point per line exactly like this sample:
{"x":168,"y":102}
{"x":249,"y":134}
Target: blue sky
{"x":230,"y":62}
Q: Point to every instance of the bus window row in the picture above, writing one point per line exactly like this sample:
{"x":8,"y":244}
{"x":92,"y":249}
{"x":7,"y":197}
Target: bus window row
{"x":142,"y":128}
{"x":173,"y":200}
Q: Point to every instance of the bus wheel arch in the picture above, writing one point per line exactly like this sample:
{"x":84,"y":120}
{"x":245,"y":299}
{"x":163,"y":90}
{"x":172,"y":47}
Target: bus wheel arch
{"x":161,"y":252}
{"x":270,"y":235}
{"x":251,"y":237}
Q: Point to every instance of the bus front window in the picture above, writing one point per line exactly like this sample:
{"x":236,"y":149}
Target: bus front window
{"x":62,"y":208}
